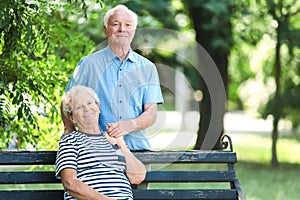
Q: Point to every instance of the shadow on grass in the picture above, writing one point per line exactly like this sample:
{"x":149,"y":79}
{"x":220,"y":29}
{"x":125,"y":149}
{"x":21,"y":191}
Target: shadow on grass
{"x":259,"y":165}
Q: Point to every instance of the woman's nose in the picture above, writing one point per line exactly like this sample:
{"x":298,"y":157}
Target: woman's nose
{"x":85,"y":107}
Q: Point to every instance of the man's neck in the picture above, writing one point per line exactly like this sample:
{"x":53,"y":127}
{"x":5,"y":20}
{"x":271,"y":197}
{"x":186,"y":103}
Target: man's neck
{"x":120,"y":51}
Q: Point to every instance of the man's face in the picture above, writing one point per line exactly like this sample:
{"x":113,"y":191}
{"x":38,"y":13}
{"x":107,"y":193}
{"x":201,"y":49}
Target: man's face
{"x":120,"y":29}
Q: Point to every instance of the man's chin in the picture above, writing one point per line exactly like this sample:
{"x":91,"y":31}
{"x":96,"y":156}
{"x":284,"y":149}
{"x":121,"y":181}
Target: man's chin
{"x":122,"y":41}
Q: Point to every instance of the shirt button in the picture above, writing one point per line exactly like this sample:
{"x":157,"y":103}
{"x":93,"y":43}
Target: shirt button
{"x":120,"y":101}
{"x":120,"y":85}
{"x":120,"y":117}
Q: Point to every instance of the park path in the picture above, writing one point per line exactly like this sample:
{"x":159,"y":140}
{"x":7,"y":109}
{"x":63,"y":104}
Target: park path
{"x":181,"y":130}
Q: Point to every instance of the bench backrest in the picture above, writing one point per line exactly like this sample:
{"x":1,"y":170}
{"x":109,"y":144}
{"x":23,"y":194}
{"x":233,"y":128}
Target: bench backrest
{"x":24,"y":169}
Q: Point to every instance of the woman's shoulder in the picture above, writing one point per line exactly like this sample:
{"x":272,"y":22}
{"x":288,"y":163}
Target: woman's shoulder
{"x":72,"y":137}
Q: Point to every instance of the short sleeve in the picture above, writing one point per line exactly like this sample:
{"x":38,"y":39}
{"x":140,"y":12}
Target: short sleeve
{"x":153,"y":94}
{"x":66,"y":157}
{"x":79,"y":76}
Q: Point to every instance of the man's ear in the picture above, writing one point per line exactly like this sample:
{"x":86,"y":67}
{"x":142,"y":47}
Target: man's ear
{"x":104,"y":29}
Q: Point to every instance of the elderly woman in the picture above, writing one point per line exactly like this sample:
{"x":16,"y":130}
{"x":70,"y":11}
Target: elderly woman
{"x":90,"y":164}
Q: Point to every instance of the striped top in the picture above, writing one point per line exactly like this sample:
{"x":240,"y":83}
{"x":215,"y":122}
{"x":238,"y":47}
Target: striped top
{"x":97,"y":163}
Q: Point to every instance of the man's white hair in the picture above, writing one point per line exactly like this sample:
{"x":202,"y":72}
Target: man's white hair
{"x":118,"y":8}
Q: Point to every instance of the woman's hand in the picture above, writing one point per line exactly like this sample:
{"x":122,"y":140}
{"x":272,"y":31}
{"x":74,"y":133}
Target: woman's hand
{"x":117,"y":141}
{"x":113,"y":140}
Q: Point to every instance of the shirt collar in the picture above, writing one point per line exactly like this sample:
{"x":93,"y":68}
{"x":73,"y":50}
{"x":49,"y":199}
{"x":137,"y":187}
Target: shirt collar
{"x":130,"y":56}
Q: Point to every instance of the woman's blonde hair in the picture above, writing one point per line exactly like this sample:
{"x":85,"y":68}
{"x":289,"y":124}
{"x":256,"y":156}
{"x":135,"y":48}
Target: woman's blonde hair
{"x":67,"y":99}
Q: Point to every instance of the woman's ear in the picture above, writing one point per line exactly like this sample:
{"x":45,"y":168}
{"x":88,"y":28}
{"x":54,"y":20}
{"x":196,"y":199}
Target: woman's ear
{"x":71,"y":119}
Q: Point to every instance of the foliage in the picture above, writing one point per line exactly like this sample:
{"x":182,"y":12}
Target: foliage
{"x":256,"y":23}
{"x":285,"y":14}
{"x":36,"y":40}
{"x":276,"y":25}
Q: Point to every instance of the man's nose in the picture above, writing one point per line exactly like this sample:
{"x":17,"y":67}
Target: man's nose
{"x":122,"y":27}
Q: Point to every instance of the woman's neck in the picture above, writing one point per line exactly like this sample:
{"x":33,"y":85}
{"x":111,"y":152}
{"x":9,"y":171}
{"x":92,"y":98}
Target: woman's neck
{"x":95,"y":130}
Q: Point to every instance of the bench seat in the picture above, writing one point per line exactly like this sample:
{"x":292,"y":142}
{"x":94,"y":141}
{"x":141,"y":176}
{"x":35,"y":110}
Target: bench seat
{"x":37,"y":167}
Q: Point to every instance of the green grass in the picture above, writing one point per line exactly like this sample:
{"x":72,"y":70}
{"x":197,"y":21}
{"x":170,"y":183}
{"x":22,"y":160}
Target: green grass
{"x":258,"y":179}
{"x":261,"y":182}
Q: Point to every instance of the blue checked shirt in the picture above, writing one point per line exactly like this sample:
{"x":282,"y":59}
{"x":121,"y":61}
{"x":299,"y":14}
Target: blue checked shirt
{"x":122,"y":87}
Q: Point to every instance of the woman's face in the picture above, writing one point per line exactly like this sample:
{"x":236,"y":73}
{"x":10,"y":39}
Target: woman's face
{"x":85,"y":111}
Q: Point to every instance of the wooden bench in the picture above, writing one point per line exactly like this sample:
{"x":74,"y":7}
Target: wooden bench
{"x":22,"y":172}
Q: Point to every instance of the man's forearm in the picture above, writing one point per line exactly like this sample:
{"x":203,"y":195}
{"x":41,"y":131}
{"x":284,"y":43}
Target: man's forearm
{"x":146,"y":119}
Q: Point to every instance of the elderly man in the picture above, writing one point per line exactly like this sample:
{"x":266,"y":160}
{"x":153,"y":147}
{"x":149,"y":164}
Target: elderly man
{"x":126,"y":82}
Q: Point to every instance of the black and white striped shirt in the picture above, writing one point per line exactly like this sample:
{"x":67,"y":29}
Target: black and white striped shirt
{"x":96,"y":162}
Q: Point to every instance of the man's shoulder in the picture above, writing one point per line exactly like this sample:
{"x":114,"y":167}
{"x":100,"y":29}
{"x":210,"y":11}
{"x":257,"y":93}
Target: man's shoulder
{"x":97,"y":56}
{"x":140,"y":58}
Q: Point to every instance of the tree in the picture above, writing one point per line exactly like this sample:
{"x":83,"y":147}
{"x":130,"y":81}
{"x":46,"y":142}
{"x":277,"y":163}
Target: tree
{"x":38,"y":45}
{"x":285,"y":35}
{"x":276,"y":20}
{"x":207,"y":18}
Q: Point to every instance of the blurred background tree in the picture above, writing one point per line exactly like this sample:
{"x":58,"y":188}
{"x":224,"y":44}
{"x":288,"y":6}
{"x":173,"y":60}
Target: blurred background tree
{"x":268,"y":30}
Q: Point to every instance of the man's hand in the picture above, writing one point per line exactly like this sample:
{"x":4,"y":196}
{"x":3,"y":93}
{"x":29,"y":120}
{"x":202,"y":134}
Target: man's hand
{"x":120,"y":128}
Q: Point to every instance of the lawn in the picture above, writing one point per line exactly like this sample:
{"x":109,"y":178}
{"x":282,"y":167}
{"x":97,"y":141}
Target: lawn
{"x":259,"y":180}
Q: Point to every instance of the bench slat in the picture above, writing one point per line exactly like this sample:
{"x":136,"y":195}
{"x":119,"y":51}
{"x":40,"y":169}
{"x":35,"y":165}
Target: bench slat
{"x":138,"y":194}
{"x":217,"y":194}
{"x":190,"y":176}
{"x":187,"y":156}
{"x":32,"y":194}
{"x":48,"y":157}
{"x":152,"y":176}
{"x":27,"y":158}
{"x":27,"y":177}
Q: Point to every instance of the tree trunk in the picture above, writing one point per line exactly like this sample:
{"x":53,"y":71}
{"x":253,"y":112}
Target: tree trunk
{"x":277,"y":100}
{"x":274,"y":161}
{"x":206,"y":37}
{"x":205,"y":114}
